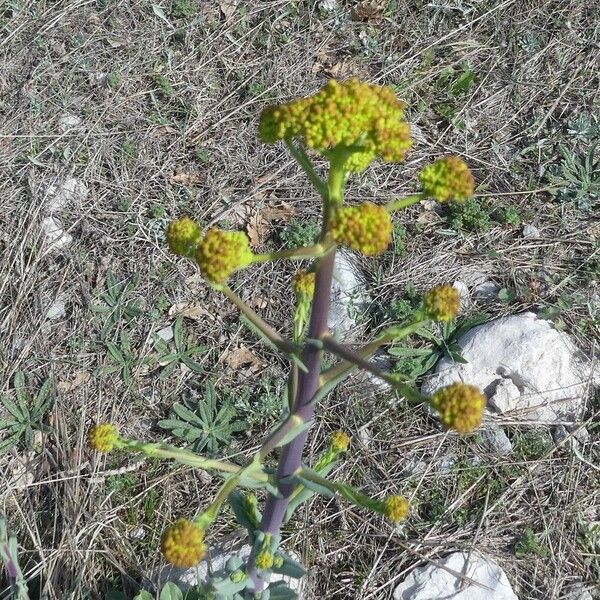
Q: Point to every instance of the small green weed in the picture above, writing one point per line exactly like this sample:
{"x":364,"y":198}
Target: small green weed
{"x":576,"y":178}
{"x":415,"y":362}
{"x":529,"y":544}
{"x":182,"y":9}
{"x":300,"y":233}
{"x":263,"y":406}
{"x":532,"y":444}
{"x":185,"y":351}
{"x":122,"y":485}
{"x":202,"y":423}
{"x":25,"y":415}
{"x":123,"y":359}
{"x":469,"y":216}
{"x":115,"y":307}
{"x":400,"y":238}
{"x":129,"y":151}
{"x":114,"y":80}
{"x":165,"y":87}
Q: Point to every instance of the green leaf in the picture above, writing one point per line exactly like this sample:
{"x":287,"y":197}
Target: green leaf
{"x":186,"y":414}
{"x":114,"y":351}
{"x":11,"y":441}
{"x":280,"y":591}
{"x":409,"y":352}
{"x":293,"y":433}
{"x":247,"y":515}
{"x":114,"y":595}
{"x":170,"y":592}
{"x":14,"y":410}
{"x":43,"y":398}
{"x":311,"y":485}
{"x":178,"y":334}
{"x":463,"y":84}
{"x":143,"y":595}
{"x":290,"y":567}
{"x":192,"y":364}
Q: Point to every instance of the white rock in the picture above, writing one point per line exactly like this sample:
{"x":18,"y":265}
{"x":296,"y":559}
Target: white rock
{"x":56,"y":310}
{"x":463,"y":290}
{"x":166,"y":333}
{"x":55,"y":235}
{"x":137,"y":533}
{"x":67,"y":122}
{"x":496,"y":440}
{"x":348,"y":295}
{"x":328,"y":5}
{"x":434,"y":583}
{"x":57,"y":196}
{"x":531,"y":232}
{"x":527,"y":369}
{"x":216,"y":560}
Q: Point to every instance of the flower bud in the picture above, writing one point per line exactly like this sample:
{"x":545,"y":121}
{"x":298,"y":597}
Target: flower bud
{"x":448,"y":179}
{"x":460,"y":406}
{"x":221,"y":253}
{"x":183,"y":236}
{"x":396,"y":508}
{"x":340,"y":442}
{"x":442,"y":303}
{"x":103,"y":437}
{"x":183,"y":544}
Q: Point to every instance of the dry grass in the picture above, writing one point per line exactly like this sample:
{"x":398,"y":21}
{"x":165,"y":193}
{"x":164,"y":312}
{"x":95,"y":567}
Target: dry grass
{"x":153,"y":99}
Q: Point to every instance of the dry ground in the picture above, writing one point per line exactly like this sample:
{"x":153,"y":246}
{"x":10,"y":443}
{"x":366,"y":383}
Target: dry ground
{"x":155,"y":111}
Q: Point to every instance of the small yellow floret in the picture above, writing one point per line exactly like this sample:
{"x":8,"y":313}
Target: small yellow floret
{"x":220,"y":253}
{"x":183,"y":544}
{"x":396,"y":508}
{"x":183,"y":236}
{"x":340,"y":441}
{"x":103,"y":437}
{"x":304,"y":284}
{"x":367,"y":228}
{"x":442,"y":303}
{"x":350,"y":113}
{"x":460,"y":406}
{"x":448,"y":179}
{"x":265,"y":560}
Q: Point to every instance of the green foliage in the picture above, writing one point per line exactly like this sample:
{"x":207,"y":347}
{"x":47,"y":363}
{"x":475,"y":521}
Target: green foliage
{"x":165,"y":87}
{"x":185,"y":351}
{"x":115,"y":307}
{"x":202,"y":423}
{"x":415,"y":362}
{"x":508,"y":216}
{"x":300,"y":233}
{"x":532,"y":444}
{"x":469,"y":216}
{"x":182,"y":9}
{"x":114,"y":79}
{"x":576,"y":178}
{"x":400,"y":238}
{"x":123,"y":359}
{"x":263,"y":405}
{"x":452,"y":85}
{"x":25,"y":415}
{"x":529,"y":544}
{"x":129,"y":150}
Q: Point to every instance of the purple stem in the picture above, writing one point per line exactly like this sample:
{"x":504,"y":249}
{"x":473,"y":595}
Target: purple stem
{"x":308,"y":384}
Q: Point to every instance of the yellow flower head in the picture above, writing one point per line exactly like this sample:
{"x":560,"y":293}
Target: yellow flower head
{"x":265,"y":560}
{"x":367,"y":228}
{"x":183,"y":236}
{"x":340,"y":441}
{"x":103,"y":437}
{"x":396,"y":508}
{"x":442,"y":303}
{"x":220,"y":253}
{"x":350,"y":113}
{"x":448,"y":179}
{"x":460,"y":406}
{"x":304,"y":284}
{"x":183,"y":544}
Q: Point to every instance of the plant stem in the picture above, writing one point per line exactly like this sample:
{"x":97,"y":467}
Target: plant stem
{"x":304,"y":161}
{"x":308,"y":382}
{"x":301,"y":253}
{"x":405,"y":202}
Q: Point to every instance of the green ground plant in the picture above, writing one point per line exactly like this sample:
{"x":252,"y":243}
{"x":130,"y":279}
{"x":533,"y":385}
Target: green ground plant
{"x":350,"y":125}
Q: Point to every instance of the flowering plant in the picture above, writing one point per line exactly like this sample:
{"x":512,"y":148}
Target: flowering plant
{"x":350,"y":125}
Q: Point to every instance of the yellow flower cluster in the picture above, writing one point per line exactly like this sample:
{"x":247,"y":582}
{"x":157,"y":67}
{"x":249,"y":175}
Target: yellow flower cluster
{"x":265,"y":560}
{"x":396,"y":508}
{"x":103,"y":437}
{"x":183,"y":236}
{"x":340,"y":442}
{"x":350,"y":113}
{"x":304,"y":284}
{"x":366,"y":228}
{"x":448,"y":179}
{"x":460,"y":406}
{"x":442,"y":303}
{"x":220,"y":253}
{"x":183,"y":544}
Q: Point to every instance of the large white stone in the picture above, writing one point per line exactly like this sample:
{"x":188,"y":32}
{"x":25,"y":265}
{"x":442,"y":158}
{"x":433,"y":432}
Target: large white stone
{"x":431,"y":582}
{"x":527,"y":369}
{"x":349,"y":297}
